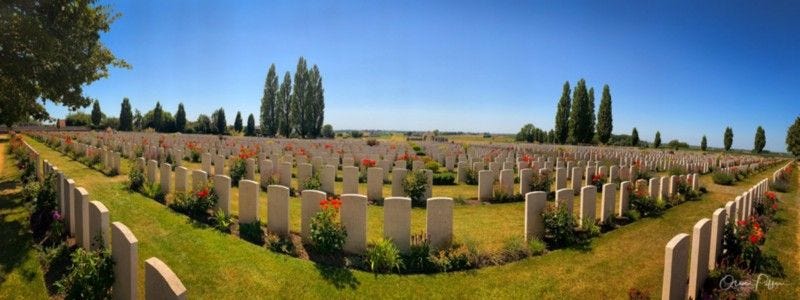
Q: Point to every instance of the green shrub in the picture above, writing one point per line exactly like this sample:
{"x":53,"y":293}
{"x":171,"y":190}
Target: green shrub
{"x":433,"y":166}
{"x":135,"y":179}
{"x":383,"y":257}
{"x":501,"y":197}
{"x":781,"y":186}
{"x":515,"y":248}
{"x":471,"y":177}
{"x":632,"y":214}
{"x":280,"y":244}
{"x":237,"y":171}
{"x":197,"y":204}
{"x":252,"y":232}
{"x":31,"y":191}
{"x":646,"y":206}
{"x":312,"y":183}
{"x":722,"y":178}
{"x":221,"y":221}
{"x":537,"y":247}
{"x":90,"y":276}
{"x":417,"y":258}
{"x":451,"y":258}
{"x":154,"y":191}
{"x":327,"y":234}
{"x":414,"y":185}
{"x":444,"y":179}
{"x":559,"y":227}
{"x":540,"y":182}
{"x":590,"y":229}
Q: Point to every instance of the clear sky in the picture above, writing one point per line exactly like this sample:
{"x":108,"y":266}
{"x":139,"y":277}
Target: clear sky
{"x":686,"y":68}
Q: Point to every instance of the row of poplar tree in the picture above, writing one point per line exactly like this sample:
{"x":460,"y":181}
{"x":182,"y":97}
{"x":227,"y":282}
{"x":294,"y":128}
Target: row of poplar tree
{"x":288,"y":109}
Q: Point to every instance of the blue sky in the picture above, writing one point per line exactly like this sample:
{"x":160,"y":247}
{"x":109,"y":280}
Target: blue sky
{"x":686,"y":68}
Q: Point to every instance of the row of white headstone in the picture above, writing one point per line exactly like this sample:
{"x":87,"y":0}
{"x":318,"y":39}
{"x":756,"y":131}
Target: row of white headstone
{"x":88,"y":222}
{"x":685,"y":262}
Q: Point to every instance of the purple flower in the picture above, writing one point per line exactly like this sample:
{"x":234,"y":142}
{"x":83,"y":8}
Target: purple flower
{"x":56,"y":215}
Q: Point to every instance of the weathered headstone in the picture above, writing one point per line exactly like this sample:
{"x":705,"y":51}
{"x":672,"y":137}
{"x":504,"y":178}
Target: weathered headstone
{"x":398,"y":174}
{"x":98,"y":226}
{"x":248,"y":201}
{"x":125,"y":252}
{"x":349,"y":180}
{"x":310,"y":206}
{"x":222,"y":188}
{"x":588,"y":198}
{"x":278,"y":210}
{"x":564,"y":197}
{"x":374,"y":183}
{"x":82,"y":217}
{"x":676,"y":258}
{"x":160,"y":282}
{"x":354,"y":219}
{"x":199,"y":180}
{"x":609,"y":194}
{"x":698,"y":266}
{"x":180,"y":179}
{"x":624,"y":197}
{"x":397,"y":221}
{"x":717,"y":232}
{"x":439,"y":225}
{"x":327,"y":178}
{"x":535,"y":203}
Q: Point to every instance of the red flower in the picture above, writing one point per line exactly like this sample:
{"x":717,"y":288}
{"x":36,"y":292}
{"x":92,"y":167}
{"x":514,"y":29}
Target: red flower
{"x":323,"y":204}
{"x":368,"y":163}
{"x":202,"y":193}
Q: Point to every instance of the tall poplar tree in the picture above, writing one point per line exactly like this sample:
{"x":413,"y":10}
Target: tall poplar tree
{"x":237,"y":122}
{"x":561,"y":130}
{"x":97,"y":115}
{"x":635,"y":137}
{"x":604,"y":117}
{"x":704,"y":143}
{"x":580,"y":118}
{"x":283,"y":108}
{"x":657,"y":140}
{"x":269,"y":109}
{"x":298,"y":109}
{"x":760,"y":140}
{"x":180,"y":119}
{"x":125,"y":116}
{"x":250,"y":130}
{"x":728,"y":138}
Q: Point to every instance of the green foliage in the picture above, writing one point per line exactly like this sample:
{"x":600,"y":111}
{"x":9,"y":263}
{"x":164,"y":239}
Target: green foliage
{"x":97,"y":115}
{"x":237,"y":123}
{"x":676,"y":144}
{"x":540,"y":182}
{"x":250,"y":129}
{"x":793,"y":138}
{"x":327,"y":235}
{"x":561,"y":129}
{"x":307,"y":101}
{"x":414,"y":185}
{"x":50,"y":50}
{"x":760,"y":140}
{"x":91,"y":275}
{"x":433,"y":166}
{"x":218,"y":123}
{"x":530,"y":134}
{"x":471,"y":177}
{"x":559,"y":227}
{"x":632,"y":214}
{"x":704,"y":143}
{"x":356,"y":134}
{"x":197,"y":204}
{"x":221,"y":221}
{"x":444,"y":179}
{"x":634,"y":137}
{"x":252,"y":232}
{"x":723,"y":178}
{"x":728,"y":138}
{"x":283,"y":106}
{"x":604,"y":117}
{"x":280,"y":244}
{"x":78,"y":119}
{"x":537,"y":247}
{"x":135,"y":179}
{"x":180,"y":119}
{"x":646,"y":205}
{"x":203,"y":124}
{"x":581,"y":129}
{"x":312,"y":183}
{"x":383,"y":257}
{"x":657,"y":140}
{"x":158,"y":117}
{"x":269,"y":104}
{"x":327,"y":131}
{"x":237,"y":170}
{"x":155,"y":192}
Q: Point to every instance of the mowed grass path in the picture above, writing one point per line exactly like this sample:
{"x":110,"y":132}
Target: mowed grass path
{"x":20,"y":274}
{"x":213,"y":265}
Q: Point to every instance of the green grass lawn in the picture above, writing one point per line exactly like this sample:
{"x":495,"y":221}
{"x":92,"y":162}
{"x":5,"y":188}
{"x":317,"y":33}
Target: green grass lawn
{"x":783,"y":240}
{"x":20,"y":274}
{"x":214,"y":265}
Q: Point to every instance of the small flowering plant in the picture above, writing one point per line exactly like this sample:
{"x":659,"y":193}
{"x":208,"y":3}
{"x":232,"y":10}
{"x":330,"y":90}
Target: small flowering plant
{"x":239,"y":166}
{"x":368,"y":163}
{"x":327,"y":233}
{"x":598,"y":180}
{"x":194,"y":151}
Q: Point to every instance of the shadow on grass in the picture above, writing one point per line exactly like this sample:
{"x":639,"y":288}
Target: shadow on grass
{"x":15,"y":240}
{"x":339,"y":276}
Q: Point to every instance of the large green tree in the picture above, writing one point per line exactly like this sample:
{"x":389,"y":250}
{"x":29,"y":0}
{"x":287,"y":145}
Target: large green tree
{"x":704,"y":143}
{"x":760,"y":140}
{"x":125,"y":116}
{"x":604,"y":117}
{"x":158,"y":117}
{"x":219,"y":124}
{"x":793,"y":138}
{"x":316,"y":102}
{"x":635,"y":137}
{"x":298,"y":110}
{"x":561,"y":129}
{"x":137,"y":120}
{"x":97,"y":115}
{"x":203,"y":124}
{"x":237,"y":122}
{"x":657,"y":140}
{"x":269,"y":109}
{"x":327,"y":131}
{"x":593,"y":119}
{"x":580,"y":117}
{"x":283,"y":109}
{"x":48,"y":51}
{"x":728,"y":138}
{"x":180,"y":119}
{"x":250,"y":130}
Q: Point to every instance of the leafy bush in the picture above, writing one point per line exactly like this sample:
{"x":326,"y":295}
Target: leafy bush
{"x":417,"y":257}
{"x":632,"y":214}
{"x":646,"y":205}
{"x":444,"y":179}
{"x":372,"y":142}
{"x":722,"y":178}
{"x":414,"y":185}
{"x":471,"y":177}
{"x":452,"y":258}
{"x":559,"y":227}
{"x":154,"y":191}
{"x":252,"y":232}
{"x":312,"y":183}
{"x":383,"y":256}
{"x":31,"y":191}
{"x":237,"y":171}
{"x":537,"y":247}
{"x":221,"y":221}
{"x":500,"y":196}
{"x":779,"y":186}
{"x":541,"y":182}
{"x":197,"y":204}
{"x":90,"y":276}
{"x":135,"y":179}
{"x":280,"y":244}
{"x":433,"y":166}
{"x":327,"y":234}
